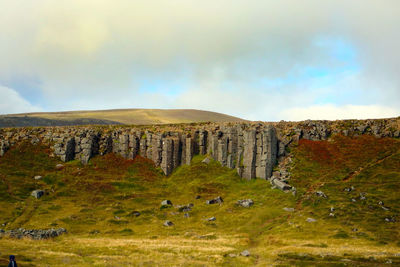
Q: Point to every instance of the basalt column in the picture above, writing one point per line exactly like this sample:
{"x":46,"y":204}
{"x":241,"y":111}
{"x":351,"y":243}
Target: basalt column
{"x":249,"y":155}
{"x":266,"y":143}
{"x":167,"y":155}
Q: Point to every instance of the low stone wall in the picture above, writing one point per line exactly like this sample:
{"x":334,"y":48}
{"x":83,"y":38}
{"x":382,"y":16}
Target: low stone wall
{"x":36,"y":234}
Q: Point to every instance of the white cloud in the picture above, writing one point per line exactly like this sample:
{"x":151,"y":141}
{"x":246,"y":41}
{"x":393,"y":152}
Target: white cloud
{"x":332,"y":112}
{"x":91,"y":54}
{"x":12,"y":102}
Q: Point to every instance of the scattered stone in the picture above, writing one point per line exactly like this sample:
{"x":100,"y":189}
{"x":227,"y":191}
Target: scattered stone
{"x":168,"y":223}
{"x":246,"y":203}
{"x":216,"y":200}
{"x":37,"y":193}
{"x":320,"y":194}
{"x":245,"y":253}
{"x":37,"y":177}
{"x":206,"y":160}
{"x":166,"y":203}
{"x":288,"y":209}
{"x":211,"y":219}
{"x":310,"y":220}
{"x":34,"y":234}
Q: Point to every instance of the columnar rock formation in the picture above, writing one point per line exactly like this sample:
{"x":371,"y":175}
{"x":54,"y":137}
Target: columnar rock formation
{"x":250,"y":148}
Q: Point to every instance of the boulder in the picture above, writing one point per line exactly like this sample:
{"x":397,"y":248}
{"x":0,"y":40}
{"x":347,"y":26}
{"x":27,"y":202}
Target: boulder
{"x":59,"y":166}
{"x":281,"y":185}
{"x":37,"y":193}
{"x":216,"y":200}
{"x":246,"y":203}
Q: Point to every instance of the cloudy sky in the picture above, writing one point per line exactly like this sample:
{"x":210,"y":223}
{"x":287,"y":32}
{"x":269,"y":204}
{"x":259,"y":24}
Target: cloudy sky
{"x":259,"y":60}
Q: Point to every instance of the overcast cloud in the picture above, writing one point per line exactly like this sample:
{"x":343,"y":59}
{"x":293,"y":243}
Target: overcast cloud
{"x":261,"y":60}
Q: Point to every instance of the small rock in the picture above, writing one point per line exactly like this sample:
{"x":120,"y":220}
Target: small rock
{"x":246,"y":203}
{"x":198,"y":197}
{"x":206,"y":160}
{"x":332,"y":209}
{"x":310,"y":220}
{"x":37,"y":177}
{"x":385,"y":208}
{"x":288,"y":209}
{"x":232,"y":255}
{"x":186,"y":215}
{"x":245,"y":253}
{"x":37,"y":193}
{"x":331,"y":214}
{"x":353,"y":200}
{"x":216,"y":200}
{"x":362,"y":196}
{"x":166,"y":202}
{"x":211,"y":219}
{"x":381,"y":203}
{"x":168,"y":223}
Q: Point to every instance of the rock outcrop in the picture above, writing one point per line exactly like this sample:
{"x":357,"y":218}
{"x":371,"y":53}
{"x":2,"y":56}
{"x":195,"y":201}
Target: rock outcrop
{"x":251,"y":148}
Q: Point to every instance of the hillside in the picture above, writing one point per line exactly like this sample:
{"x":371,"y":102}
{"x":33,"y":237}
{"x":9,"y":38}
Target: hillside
{"x":112,"y":209}
{"x":116,"y":116}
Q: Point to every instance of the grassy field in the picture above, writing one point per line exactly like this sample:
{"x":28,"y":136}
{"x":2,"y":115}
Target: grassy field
{"x":138,"y":116}
{"x":96,"y":203}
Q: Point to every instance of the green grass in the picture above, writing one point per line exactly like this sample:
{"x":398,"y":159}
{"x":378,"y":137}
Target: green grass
{"x":96,"y":203}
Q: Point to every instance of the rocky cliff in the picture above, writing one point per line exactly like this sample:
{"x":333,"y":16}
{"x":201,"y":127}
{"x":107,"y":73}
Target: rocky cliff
{"x":251,"y":148}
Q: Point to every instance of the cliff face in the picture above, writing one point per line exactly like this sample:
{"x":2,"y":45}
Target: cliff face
{"x":251,"y":148}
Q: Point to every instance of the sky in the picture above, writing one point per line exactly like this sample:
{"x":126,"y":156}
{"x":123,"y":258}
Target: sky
{"x":259,"y":60}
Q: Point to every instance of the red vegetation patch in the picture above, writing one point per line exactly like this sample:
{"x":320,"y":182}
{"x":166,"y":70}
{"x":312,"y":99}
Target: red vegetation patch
{"x":349,"y":151}
{"x":145,"y":169}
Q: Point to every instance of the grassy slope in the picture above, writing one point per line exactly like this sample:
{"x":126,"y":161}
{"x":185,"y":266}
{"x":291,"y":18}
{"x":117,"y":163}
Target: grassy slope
{"x":95,"y":203}
{"x":141,"y":116}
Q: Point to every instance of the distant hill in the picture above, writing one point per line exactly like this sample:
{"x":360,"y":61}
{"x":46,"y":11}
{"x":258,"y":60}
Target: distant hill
{"x":115,"y":116}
